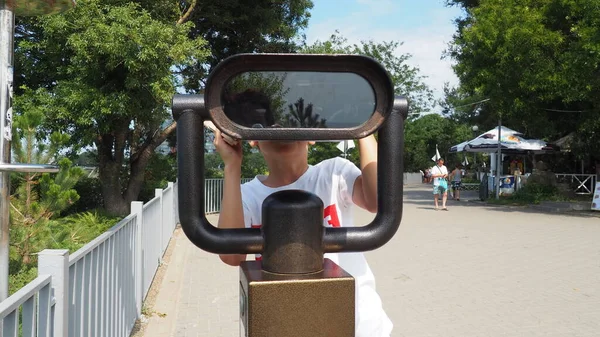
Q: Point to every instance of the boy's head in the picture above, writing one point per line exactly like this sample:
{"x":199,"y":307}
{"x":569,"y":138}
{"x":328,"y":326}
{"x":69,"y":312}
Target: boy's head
{"x":250,"y":108}
{"x":440,"y":161}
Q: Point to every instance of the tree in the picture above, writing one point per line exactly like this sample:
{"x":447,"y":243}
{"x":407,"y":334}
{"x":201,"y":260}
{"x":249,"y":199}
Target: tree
{"x":537,"y":63}
{"x":302,"y":116}
{"x":406,"y":80}
{"x":232,"y":27}
{"x":423,"y":134}
{"x":114,"y":89}
{"x":38,"y":197}
{"x":269,"y":84}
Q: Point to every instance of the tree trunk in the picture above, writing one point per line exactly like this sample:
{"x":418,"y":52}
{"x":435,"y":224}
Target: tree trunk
{"x":110,"y":160}
{"x":114,"y":203}
{"x":136,"y":176}
{"x":117,"y":193}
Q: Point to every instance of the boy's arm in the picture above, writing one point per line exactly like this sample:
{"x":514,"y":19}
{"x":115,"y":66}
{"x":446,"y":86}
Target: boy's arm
{"x":232,"y":212}
{"x":364,"y":194}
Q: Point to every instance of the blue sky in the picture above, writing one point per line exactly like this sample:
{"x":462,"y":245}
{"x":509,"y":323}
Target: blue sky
{"x":425,"y":27}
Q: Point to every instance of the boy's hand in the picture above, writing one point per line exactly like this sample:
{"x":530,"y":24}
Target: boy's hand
{"x":231,"y":154}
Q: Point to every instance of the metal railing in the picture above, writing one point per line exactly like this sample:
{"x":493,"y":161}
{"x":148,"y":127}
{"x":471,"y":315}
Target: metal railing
{"x":579,"y":183}
{"x":213,"y":194}
{"x":213,"y":190}
{"x":99,"y":289}
{"x":35,"y":301}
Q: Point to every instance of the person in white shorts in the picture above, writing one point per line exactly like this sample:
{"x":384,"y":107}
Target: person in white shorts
{"x":439,"y":173}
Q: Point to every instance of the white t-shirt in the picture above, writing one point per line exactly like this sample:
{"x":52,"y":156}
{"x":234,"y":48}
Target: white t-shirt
{"x":333,"y":181}
{"x":436,"y":170}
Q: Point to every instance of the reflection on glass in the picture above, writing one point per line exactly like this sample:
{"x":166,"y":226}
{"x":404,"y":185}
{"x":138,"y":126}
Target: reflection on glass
{"x":298,"y":99}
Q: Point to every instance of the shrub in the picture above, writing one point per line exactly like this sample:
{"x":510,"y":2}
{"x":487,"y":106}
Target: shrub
{"x":534,"y":193}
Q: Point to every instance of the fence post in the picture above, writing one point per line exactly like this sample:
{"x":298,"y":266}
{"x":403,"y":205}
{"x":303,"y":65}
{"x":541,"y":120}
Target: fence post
{"x":55,"y":262}
{"x":136,"y":208}
{"x":176,"y":202}
{"x":171,"y":209}
{"x":158,"y":193}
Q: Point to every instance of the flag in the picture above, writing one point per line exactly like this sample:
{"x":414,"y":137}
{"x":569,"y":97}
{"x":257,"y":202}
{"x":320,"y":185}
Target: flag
{"x":342,"y":147}
{"x":437,"y":154}
{"x":466,"y":161}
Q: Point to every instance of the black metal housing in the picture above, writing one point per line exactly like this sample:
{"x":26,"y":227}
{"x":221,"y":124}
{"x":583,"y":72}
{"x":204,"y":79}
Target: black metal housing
{"x":364,"y":66}
{"x":189,"y":111}
{"x":292,"y":227}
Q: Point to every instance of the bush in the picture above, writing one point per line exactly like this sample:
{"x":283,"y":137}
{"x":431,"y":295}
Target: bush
{"x":74,"y":231}
{"x":71,"y":232}
{"x":90,"y":196}
{"x":20,"y":279}
{"x":161,"y":169}
{"x":534,"y":193}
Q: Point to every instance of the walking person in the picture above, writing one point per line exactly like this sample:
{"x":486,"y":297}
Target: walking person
{"x":439,"y":173}
{"x":456,"y":179}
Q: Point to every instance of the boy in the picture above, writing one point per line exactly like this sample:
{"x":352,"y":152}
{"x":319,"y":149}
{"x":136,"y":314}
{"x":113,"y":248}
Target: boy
{"x":338,"y":182}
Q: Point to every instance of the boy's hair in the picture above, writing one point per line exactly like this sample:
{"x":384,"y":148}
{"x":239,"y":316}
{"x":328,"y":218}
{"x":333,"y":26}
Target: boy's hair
{"x":249,"y":108}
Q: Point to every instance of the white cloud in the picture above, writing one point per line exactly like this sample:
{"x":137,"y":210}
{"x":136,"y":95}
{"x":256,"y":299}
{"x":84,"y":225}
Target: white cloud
{"x":425,"y":43}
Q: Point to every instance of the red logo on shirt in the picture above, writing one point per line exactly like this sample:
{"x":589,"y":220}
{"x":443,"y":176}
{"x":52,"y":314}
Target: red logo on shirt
{"x":331,"y":212}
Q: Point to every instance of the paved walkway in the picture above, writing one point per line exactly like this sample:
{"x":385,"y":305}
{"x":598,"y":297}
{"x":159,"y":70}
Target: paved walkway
{"x":473,"y":271}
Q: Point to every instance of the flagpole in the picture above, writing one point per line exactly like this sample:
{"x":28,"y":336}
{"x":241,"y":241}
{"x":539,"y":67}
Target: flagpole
{"x":345,"y":149}
{"x":499,"y":158}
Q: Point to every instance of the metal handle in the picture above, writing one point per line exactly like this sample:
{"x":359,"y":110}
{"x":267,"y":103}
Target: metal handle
{"x":190,"y":112}
{"x":28,"y":168}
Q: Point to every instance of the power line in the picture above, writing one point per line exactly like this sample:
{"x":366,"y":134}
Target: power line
{"x":474,"y":103}
{"x":557,"y":110}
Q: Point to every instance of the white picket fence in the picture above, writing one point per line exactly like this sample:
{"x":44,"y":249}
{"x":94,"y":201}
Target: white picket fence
{"x":213,"y":194}
{"x":99,"y":289}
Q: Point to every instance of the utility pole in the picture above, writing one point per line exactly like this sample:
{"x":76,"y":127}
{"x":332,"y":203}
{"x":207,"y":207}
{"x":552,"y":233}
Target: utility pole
{"x":8,"y":10}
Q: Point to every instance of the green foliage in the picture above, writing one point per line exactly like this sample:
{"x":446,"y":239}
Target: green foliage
{"x":422,"y":135}
{"x":253,"y":163}
{"x":35,"y":202}
{"x":213,"y":165}
{"x":71,"y":232}
{"x":406,"y":79}
{"x":74,"y":231}
{"x":90,"y":196}
{"x":20,"y":278}
{"x":119,"y":65}
{"x":302,"y":116}
{"x":537,"y":62}
{"x":531,"y":194}
{"x":325,"y":150}
{"x":114,"y":88}
{"x":161,"y":170}
{"x":38,"y":198}
{"x":232,"y":27}
{"x":269,"y":84}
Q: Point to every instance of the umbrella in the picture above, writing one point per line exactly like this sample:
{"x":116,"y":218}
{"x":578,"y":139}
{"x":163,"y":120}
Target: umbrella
{"x":459,"y":147}
{"x":511,"y":142}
